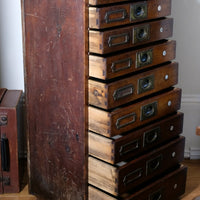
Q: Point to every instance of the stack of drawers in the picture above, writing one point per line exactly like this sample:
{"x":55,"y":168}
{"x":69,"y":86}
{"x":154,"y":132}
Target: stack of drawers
{"x":135,"y":147}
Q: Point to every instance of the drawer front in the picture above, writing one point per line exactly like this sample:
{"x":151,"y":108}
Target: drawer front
{"x":129,"y":176}
{"x":132,"y":61}
{"x":108,"y":96}
{"x":171,"y":186}
{"x":126,"y":118}
{"x":114,"y":150}
{"x":106,"y":17}
{"x":102,"y":42}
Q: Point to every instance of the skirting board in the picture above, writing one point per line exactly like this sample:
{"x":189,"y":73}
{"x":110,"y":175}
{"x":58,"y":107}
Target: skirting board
{"x":190,"y":98}
{"x":193,"y":153}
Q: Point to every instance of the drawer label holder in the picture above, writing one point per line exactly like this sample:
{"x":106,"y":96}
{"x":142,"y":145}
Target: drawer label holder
{"x":123,"y":92}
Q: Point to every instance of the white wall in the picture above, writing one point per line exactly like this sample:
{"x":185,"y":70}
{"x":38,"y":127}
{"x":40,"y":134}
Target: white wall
{"x":186,"y":15}
{"x":11,"y":59}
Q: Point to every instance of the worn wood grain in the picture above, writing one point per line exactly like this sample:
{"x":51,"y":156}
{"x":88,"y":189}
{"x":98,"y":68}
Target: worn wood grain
{"x":56,"y":46}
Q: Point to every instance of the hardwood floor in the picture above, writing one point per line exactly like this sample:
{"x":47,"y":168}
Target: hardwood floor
{"x":193,"y":180}
{"x":192,"y":185}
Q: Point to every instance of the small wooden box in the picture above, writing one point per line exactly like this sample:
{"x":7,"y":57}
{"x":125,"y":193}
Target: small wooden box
{"x":123,"y":119}
{"x":123,"y":147}
{"x":11,"y":132}
{"x":170,"y":186}
{"x":113,"y":94}
{"x":116,"y":15}
{"x":119,"y":179}
{"x":109,"y":41}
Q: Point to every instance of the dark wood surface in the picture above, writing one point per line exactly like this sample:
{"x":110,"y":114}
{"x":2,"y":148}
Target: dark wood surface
{"x":56,"y":97}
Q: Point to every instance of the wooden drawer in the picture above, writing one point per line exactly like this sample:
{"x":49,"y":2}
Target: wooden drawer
{"x":110,"y":16}
{"x":170,"y":186}
{"x":102,"y":42}
{"x":115,"y":122}
{"x":119,"y":179}
{"x":121,"y":64}
{"x":121,"y":148}
{"x":111,"y":95}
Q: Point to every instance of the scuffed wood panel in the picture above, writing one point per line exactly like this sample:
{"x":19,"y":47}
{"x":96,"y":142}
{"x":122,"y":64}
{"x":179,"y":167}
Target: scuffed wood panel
{"x":55,"y":75}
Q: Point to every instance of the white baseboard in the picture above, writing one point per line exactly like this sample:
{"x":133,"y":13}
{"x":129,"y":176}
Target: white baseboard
{"x":190,"y":98}
{"x":193,"y":153}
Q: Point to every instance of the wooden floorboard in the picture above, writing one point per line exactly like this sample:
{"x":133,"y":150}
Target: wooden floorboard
{"x":192,"y":185}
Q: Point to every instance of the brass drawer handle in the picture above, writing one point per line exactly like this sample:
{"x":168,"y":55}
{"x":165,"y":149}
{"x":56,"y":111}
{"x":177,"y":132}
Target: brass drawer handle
{"x":148,"y":111}
{"x":144,"y":58}
{"x":156,"y":195}
{"x":109,"y":19}
{"x":146,"y":84}
{"x":153,"y":164}
{"x":133,"y":176}
{"x":123,"y":92}
{"x":119,"y":62}
{"x":141,"y":33}
{"x":151,"y":136}
{"x":138,"y":11}
{"x":124,"y":36}
{"x":129,"y":147}
{"x":129,"y":119}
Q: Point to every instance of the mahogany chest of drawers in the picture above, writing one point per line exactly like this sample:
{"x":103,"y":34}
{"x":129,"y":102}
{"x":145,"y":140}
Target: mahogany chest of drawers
{"x":102,"y":105}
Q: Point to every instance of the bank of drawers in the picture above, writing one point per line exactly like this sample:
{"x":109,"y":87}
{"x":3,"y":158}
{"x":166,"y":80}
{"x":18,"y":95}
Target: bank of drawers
{"x":135,"y":145}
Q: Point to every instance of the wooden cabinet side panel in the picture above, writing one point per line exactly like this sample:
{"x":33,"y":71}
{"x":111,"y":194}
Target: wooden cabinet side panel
{"x":56,"y":46}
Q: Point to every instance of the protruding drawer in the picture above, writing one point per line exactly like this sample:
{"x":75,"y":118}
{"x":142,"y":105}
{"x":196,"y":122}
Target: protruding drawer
{"x":123,"y":147}
{"x":170,"y":186}
{"x":123,"y":119}
{"x":110,"y":16}
{"x":121,"y":64}
{"x":121,"y":178}
{"x":117,"y":93}
{"x":103,"y":42}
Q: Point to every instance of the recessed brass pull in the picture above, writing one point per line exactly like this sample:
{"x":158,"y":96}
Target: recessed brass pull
{"x":123,"y":92}
{"x":146,"y":84}
{"x":138,"y":11}
{"x":153,"y":164}
{"x":148,"y":111}
{"x":133,"y":176}
{"x":120,"y":39}
{"x":125,"y":120}
{"x":141,"y":33}
{"x":129,"y":147}
{"x":156,"y":195}
{"x":151,"y":136}
{"x":118,"y":65}
{"x":144,"y":58}
{"x":119,"y":15}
